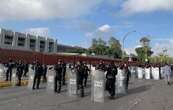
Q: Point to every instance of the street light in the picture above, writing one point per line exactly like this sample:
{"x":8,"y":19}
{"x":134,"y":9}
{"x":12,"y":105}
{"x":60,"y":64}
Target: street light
{"x":124,"y":38}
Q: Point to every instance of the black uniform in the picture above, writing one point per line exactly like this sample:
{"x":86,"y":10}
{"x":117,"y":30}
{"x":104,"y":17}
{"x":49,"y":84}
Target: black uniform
{"x":101,"y":67}
{"x":86,"y":70}
{"x":9,"y":66}
{"x":58,"y":77}
{"x":80,"y":77}
{"x":110,"y":79}
{"x":19,"y":72}
{"x":26,"y":69}
{"x":38,"y":73}
{"x":128,"y":73}
{"x":64,"y":72}
{"x":44,"y":73}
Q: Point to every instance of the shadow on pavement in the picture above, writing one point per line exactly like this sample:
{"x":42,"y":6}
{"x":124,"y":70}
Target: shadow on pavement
{"x":136,"y":90}
{"x":139,"y":89}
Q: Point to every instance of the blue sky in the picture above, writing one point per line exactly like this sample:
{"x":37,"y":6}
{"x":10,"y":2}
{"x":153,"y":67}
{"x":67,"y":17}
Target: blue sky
{"x":76,"y":22}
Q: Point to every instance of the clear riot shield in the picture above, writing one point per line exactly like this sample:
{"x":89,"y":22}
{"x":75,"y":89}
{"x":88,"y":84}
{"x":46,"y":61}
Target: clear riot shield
{"x":120,"y":82}
{"x":14,"y":77}
{"x":98,"y":86}
{"x":140,"y":73}
{"x":155,"y":73}
{"x":50,"y":81}
{"x":31,"y":77}
{"x":2,"y":72}
{"x":72,"y":82}
{"x":147,"y":73}
{"x":133,"y":71}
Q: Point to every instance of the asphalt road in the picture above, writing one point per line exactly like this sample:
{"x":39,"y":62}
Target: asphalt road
{"x":142,"y":95}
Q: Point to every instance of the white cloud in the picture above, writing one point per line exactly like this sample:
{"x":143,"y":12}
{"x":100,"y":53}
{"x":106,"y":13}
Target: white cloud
{"x":104,"y":31}
{"x":41,"y":31}
{"x":137,"y":6}
{"x":104,"y":28}
{"x":44,"y":9}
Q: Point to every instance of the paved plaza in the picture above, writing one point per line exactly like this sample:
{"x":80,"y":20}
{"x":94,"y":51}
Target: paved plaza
{"x":143,"y":95}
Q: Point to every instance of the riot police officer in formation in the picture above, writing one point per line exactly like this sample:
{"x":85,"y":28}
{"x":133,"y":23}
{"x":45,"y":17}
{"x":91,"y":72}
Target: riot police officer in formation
{"x":9,"y":66}
{"x":110,"y":79}
{"x":101,"y":66}
{"x":128,"y":75}
{"x":37,"y":76}
{"x":64,"y":73}
{"x":80,"y":69}
{"x":58,"y":76}
{"x":19,"y":72}
{"x":86,"y":72}
{"x":26,"y":69}
{"x":44,"y":73}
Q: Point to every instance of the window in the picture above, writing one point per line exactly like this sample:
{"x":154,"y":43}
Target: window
{"x":32,"y":44}
{"x":8,"y":40}
{"x":51,"y":46}
{"x":21,"y":41}
{"x":42,"y":46}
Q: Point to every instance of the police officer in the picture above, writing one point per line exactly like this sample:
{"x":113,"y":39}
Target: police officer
{"x":80,"y":77}
{"x":110,"y":79}
{"x":128,"y":75}
{"x":9,"y":66}
{"x":64,"y":73}
{"x":38,"y":73}
{"x":86,"y":71}
{"x":101,"y":66}
{"x":58,"y":76}
{"x":44,"y":73}
{"x":26,"y":69}
{"x":19,"y":71}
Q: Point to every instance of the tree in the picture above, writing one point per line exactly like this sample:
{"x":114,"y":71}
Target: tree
{"x":114,"y":48}
{"x":98,"y":46}
{"x":111,"y":48}
{"x":144,"y":52}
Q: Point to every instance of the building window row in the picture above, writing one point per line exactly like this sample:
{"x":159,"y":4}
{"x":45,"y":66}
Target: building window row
{"x":27,"y":42}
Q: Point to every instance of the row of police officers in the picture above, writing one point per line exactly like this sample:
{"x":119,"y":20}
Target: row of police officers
{"x":82,"y":72}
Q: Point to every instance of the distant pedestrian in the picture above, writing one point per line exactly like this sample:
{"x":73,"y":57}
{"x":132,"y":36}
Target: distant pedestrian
{"x":167,"y":73}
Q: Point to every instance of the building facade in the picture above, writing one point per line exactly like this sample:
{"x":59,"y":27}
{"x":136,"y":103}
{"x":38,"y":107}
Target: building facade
{"x":28,"y":42}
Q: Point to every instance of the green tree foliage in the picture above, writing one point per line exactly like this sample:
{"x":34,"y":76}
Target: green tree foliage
{"x":143,"y":53}
{"x":114,"y":48}
{"x":161,"y":59}
{"x":111,"y":48}
{"x":98,"y":46}
{"x":78,"y":50}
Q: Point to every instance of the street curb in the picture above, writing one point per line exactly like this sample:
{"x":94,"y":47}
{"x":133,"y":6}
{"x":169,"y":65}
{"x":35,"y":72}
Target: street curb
{"x":7,"y":84}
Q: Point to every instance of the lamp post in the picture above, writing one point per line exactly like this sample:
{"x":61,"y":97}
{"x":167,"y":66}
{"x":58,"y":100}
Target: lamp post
{"x":124,"y":38}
